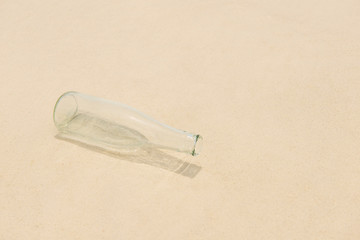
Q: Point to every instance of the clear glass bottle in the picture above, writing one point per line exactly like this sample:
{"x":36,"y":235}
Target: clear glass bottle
{"x":115,"y":126}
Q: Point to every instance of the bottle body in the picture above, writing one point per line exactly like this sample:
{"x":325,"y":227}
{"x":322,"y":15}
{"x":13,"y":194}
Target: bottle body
{"x":116,"y":126}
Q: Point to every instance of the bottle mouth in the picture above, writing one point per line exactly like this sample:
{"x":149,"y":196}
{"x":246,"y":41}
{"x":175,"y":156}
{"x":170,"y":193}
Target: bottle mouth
{"x":198,"y":145}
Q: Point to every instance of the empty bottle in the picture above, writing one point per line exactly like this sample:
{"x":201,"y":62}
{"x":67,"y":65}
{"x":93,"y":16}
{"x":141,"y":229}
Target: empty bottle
{"x":115,"y":126}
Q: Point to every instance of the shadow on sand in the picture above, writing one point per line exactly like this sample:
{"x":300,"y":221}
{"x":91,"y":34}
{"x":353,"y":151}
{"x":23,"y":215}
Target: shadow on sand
{"x":149,"y":156}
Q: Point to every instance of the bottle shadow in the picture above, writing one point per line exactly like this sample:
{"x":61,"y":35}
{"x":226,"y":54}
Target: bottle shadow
{"x":145,"y":155}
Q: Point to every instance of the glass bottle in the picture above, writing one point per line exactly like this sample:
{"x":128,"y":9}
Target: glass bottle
{"x":116,"y":126}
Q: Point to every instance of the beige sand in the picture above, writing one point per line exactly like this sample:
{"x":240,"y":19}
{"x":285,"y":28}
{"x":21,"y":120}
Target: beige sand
{"x":273,"y":87}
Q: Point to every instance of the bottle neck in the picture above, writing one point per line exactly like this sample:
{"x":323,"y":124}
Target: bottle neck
{"x":181,"y":141}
